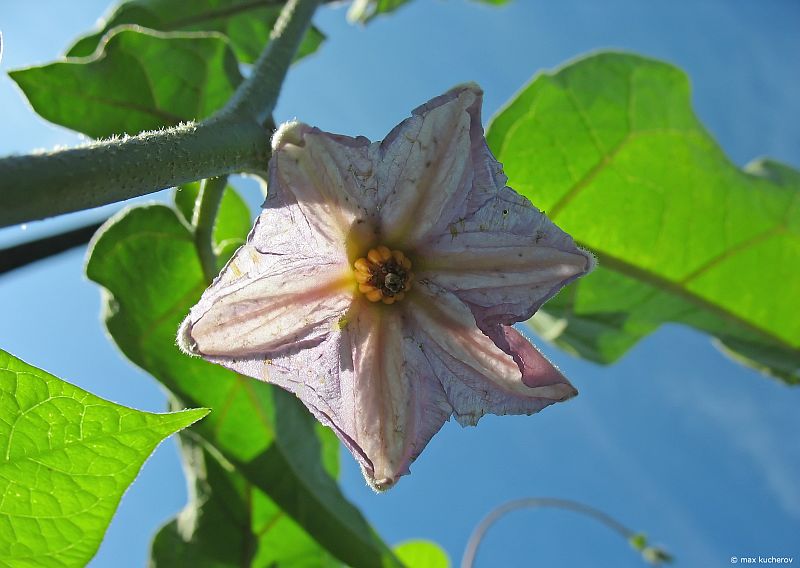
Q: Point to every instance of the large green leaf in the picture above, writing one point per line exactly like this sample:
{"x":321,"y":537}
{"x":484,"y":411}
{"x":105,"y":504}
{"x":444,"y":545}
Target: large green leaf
{"x":146,"y":260}
{"x":247,"y":23}
{"x":230,"y":523}
{"x":66,"y":458}
{"x":140,"y":81}
{"x":609,"y":147}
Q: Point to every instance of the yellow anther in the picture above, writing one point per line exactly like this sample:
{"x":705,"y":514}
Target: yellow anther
{"x":362,"y":265}
{"x":383,"y":275}
{"x":385,"y":253}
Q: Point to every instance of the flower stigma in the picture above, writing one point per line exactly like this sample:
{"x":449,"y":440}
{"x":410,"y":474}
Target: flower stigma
{"x":384,"y":275}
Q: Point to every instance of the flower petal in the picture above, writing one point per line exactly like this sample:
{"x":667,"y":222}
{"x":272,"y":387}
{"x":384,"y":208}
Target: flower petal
{"x":478,"y":374}
{"x":274,"y":292}
{"x":328,"y":177}
{"x":536,"y":370}
{"x":506,"y":259}
{"x":369,"y":381}
{"x":386,"y":378}
{"x":395,"y":400}
{"x":425,"y":170}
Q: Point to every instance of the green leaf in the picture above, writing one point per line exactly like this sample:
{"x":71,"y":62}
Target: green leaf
{"x":609,"y":147}
{"x":67,"y":458}
{"x":146,"y":259}
{"x":246,"y":23}
{"x":140,"y":81}
{"x":422,"y":554}
{"x":229,"y":523}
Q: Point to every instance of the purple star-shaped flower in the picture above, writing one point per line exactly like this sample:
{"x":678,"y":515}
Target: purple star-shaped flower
{"x":381,"y":280}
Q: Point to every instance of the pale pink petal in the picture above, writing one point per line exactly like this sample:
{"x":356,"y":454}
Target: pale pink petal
{"x":328,"y":177}
{"x":425,"y":168}
{"x":392,"y":396}
{"x":506,"y":258}
{"x":370,"y":381}
{"x":536,"y":370}
{"x":478,"y":374}
{"x":272,"y":310}
{"x":277,"y":290}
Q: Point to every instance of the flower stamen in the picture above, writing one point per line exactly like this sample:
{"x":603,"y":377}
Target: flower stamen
{"x":384,"y":275}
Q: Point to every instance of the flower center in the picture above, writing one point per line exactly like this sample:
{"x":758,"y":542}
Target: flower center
{"x":384,"y":275}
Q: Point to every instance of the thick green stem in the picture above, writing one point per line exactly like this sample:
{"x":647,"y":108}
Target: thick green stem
{"x":35,"y":186}
{"x":256,"y":98}
{"x":42,"y":185}
{"x":204,"y":219}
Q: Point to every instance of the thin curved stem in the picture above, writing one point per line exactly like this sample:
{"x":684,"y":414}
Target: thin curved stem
{"x":479,"y":534}
{"x":233,"y":140}
{"x":204,"y":219}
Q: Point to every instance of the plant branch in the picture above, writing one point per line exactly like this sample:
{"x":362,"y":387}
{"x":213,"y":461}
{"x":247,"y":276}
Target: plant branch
{"x":203,"y":221}
{"x":256,"y":97}
{"x":35,"y":186}
{"x":25,"y":253}
{"x":42,"y":185}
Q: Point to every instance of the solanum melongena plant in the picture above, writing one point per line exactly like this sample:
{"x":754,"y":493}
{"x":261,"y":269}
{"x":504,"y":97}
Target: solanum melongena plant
{"x":382,"y":283}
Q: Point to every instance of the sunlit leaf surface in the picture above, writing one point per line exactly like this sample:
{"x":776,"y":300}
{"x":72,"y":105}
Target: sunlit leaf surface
{"x":140,"y":81}
{"x":230,"y":523}
{"x":422,"y":554}
{"x":610,"y":149}
{"x":247,"y":23}
{"x":66,"y":458}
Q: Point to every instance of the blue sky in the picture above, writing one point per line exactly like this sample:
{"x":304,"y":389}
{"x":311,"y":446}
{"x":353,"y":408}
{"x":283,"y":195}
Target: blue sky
{"x":675,"y":440}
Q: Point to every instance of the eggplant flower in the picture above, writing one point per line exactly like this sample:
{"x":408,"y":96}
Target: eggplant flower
{"x":381,"y":281}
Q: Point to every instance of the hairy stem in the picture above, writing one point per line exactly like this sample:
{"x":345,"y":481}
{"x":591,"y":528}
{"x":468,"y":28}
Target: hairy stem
{"x":35,"y":186}
{"x":257,"y":96}
{"x":204,"y":219}
{"x":42,"y":185}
